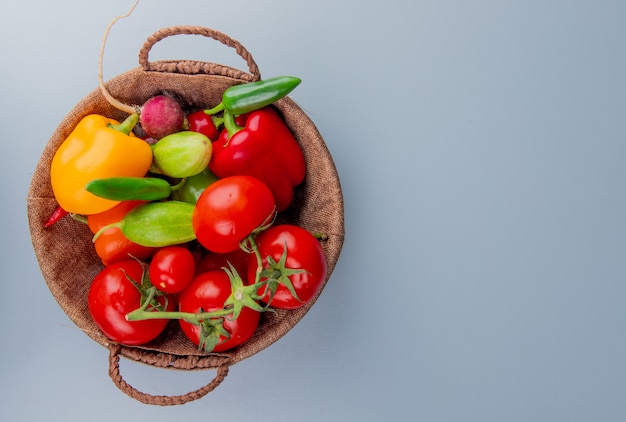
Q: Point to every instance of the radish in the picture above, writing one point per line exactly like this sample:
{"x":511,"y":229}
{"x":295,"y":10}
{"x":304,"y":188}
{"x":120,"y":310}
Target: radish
{"x":160,"y":116}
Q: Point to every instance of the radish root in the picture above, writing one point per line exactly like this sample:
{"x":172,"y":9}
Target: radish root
{"x":114,"y":102}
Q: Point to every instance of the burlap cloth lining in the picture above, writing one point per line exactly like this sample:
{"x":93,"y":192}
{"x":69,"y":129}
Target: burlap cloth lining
{"x":66,"y":256}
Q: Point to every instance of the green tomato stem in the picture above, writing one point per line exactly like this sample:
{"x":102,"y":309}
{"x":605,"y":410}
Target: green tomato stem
{"x":193,"y":318}
{"x":251,"y":245}
{"x":141,"y":313}
{"x":242,"y":296}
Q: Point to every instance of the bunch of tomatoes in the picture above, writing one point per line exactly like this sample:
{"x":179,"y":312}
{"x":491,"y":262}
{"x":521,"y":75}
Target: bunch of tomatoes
{"x":202,"y":247}
{"x":217,"y":298}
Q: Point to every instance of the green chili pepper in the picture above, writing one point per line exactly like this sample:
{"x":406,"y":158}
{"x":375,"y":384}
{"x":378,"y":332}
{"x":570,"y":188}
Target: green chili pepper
{"x":194,"y":186}
{"x":244,"y":98}
{"x":131,"y":188}
{"x":157,"y":224}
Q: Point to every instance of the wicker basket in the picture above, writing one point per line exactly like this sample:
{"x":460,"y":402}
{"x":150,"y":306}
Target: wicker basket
{"x":66,"y":256}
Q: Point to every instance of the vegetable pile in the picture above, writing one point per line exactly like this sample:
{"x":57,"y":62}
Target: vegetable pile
{"x":184,"y":209}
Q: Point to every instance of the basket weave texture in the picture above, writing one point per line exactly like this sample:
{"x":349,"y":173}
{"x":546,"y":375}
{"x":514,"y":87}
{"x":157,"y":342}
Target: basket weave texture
{"x":66,"y":255}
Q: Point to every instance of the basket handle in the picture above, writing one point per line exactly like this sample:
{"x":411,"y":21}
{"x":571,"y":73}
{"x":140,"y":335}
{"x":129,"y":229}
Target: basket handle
{"x":114,"y":373}
{"x":194,"y":67}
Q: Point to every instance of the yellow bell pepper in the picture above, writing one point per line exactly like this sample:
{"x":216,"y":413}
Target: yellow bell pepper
{"x":98,"y":147}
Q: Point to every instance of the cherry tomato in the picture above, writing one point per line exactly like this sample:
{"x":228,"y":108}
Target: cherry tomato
{"x":112,"y":246}
{"x":229,"y":210}
{"x":212,"y":261}
{"x":208,"y":292}
{"x":303,"y":252}
{"x":201,"y":122}
{"x":172,"y":268}
{"x":112,"y":295}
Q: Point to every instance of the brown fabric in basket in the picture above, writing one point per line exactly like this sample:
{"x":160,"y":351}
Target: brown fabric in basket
{"x":65,"y":252}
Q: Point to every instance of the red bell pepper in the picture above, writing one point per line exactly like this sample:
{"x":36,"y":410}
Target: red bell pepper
{"x":263,"y":147}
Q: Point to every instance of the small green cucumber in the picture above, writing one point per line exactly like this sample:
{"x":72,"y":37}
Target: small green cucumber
{"x":158,"y":224}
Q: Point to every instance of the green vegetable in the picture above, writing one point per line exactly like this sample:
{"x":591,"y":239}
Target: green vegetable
{"x":157,"y":224}
{"x":244,"y":98}
{"x":130,"y":188}
{"x":182,"y":154}
{"x":194,"y":186}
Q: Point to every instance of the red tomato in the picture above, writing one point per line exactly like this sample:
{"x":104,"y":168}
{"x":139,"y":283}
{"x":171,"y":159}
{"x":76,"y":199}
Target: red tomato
{"x":208,"y":292}
{"x":112,"y":295}
{"x":303,"y":252}
{"x":212,"y":261}
{"x":201,"y":122}
{"x":229,"y":210}
{"x":172,"y":268}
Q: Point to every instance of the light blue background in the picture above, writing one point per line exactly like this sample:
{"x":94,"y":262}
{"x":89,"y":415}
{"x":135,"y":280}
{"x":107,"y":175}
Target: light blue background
{"x":481,"y":148}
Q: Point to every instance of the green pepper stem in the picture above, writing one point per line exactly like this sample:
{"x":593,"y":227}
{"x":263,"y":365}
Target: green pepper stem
{"x":127,"y":125}
{"x":230,"y":124}
{"x":216,"y":109}
{"x":178,"y":185}
{"x":217,"y":121}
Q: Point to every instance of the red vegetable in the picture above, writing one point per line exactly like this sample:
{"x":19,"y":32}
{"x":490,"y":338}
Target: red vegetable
{"x":264,"y":148}
{"x":201,"y":122}
{"x":212,"y":261}
{"x":113,"y":293}
{"x":207,"y":293}
{"x":111,"y":245}
{"x":56,"y":215}
{"x":172,"y":268}
{"x":289,"y":249}
{"x":160,"y":116}
{"x":229,"y":210}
